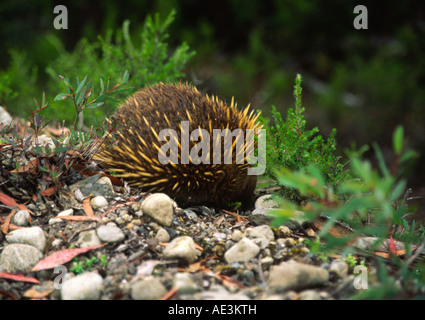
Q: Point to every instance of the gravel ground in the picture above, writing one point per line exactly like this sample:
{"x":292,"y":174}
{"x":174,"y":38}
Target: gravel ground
{"x":149,"y":248}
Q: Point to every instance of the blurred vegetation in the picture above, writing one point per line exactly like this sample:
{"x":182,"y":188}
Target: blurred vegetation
{"x":362,"y":82}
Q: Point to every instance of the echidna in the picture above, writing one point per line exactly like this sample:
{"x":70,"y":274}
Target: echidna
{"x":134,"y":152}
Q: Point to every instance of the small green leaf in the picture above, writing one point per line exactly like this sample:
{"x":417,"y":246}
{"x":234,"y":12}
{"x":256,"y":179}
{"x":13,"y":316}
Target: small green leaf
{"x":81,"y":85}
{"x":125,"y":77}
{"x":398,"y":140}
{"x":95,"y":105}
{"x":62,"y":96}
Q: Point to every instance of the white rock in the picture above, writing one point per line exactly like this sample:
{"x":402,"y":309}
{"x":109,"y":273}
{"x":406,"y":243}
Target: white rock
{"x":86,"y":286}
{"x":237,"y":235}
{"x":88,"y":238}
{"x":262,"y":231}
{"x":309,"y":295}
{"x":21,"y":218}
{"x":162,"y":235}
{"x":265,"y":202}
{"x":98,"y":202}
{"x":182,"y":248}
{"x":106,"y":181}
{"x":110,"y":233}
{"x":160,"y":207}
{"x":5,"y":117}
{"x":33,"y":236}
{"x":244,"y":250}
{"x":184,"y":283}
{"x":17,"y":258}
{"x":217,"y":292}
{"x":147,"y":289}
{"x":339,"y":267}
{"x":295,"y":276}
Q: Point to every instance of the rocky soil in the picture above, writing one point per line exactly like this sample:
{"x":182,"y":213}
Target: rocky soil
{"x":152,"y":249}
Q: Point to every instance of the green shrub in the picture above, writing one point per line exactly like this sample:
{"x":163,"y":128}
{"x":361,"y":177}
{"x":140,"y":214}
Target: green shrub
{"x":372,"y":201}
{"x":291,"y":146}
{"x":18,"y":82}
{"x":149,"y":61}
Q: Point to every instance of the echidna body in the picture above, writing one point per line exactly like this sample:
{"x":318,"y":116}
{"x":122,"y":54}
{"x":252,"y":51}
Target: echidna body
{"x":133,"y":152}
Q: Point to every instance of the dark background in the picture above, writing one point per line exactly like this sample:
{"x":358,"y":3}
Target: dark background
{"x":362,"y":82}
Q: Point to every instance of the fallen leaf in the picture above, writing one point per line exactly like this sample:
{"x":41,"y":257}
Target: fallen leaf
{"x":34,"y":294}
{"x":386,"y":255}
{"x":5,"y":226}
{"x":50,"y":191}
{"x":87,"y":207}
{"x":392,"y":248}
{"x":61,"y":257}
{"x":12,"y":226}
{"x":170,"y":294}
{"x":8,"y":294}
{"x":197,"y":246}
{"x":18,"y":277}
{"x":193,"y":267}
{"x":10,"y":202}
{"x":79,"y":218}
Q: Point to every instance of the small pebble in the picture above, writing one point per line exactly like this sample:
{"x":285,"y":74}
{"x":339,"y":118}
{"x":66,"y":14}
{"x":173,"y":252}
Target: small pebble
{"x":110,"y":233}
{"x":309,"y":295}
{"x":162,"y":235}
{"x":262,"y":231}
{"x":184,"y":283}
{"x":147,"y":289}
{"x":86,"y":286}
{"x":33,"y":236}
{"x":19,"y":258}
{"x":21,"y":218}
{"x":88,"y":238}
{"x":244,"y":250}
{"x":182,"y":248}
{"x":237,"y":235}
{"x":98,"y":202}
{"x":160,"y":207}
{"x":295,"y":276}
{"x":265,"y":202}
{"x":284,"y":231}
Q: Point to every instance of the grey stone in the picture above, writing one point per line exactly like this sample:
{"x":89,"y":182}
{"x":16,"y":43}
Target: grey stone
{"x":159,"y":207}
{"x":147,"y":289}
{"x":33,"y":236}
{"x":339,"y":267}
{"x":162,"y":235}
{"x":19,"y":257}
{"x":184,"y":283}
{"x":21,"y":218}
{"x":182,"y":248}
{"x":265,"y":202}
{"x":86,"y":286}
{"x":110,"y":233}
{"x":263,"y":231}
{"x":309,"y":295}
{"x":295,"y":276}
{"x":244,"y":250}
{"x":98,"y":202}
{"x":88,"y":238}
